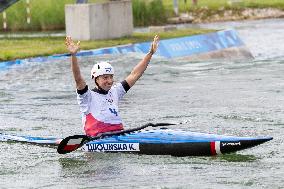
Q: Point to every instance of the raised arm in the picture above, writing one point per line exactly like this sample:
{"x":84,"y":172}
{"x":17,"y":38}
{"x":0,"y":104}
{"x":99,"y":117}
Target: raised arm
{"x":73,"y":49}
{"x":139,"y":69}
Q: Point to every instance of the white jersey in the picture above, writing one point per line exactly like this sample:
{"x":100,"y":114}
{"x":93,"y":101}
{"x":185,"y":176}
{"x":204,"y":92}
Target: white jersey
{"x":101,"y":108}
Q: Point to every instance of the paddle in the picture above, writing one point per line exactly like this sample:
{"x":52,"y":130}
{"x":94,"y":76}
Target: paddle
{"x":72,"y":143}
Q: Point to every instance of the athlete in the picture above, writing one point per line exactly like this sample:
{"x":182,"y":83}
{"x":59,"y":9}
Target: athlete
{"x":99,"y":106}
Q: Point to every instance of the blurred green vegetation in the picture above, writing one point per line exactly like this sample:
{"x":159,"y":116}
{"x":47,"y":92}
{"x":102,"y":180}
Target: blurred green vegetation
{"x":49,"y":14}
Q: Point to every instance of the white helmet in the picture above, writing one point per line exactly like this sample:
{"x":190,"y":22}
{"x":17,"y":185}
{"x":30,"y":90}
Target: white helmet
{"x":101,"y":68}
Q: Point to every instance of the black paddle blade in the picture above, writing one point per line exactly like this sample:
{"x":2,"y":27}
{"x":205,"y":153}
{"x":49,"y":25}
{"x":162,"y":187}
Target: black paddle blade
{"x":162,"y":124}
{"x":71,"y":143}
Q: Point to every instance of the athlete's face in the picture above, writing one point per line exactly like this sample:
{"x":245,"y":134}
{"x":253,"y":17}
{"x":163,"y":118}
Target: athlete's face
{"x":105,"y":81}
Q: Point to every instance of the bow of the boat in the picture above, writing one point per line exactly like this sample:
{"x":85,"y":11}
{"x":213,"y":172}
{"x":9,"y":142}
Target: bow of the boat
{"x":233,"y":146}
{"x":202,"y":148}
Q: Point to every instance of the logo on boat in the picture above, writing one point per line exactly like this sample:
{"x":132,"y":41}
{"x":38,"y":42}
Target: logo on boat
{"x":111,"y":147}
{"x":231,"y":143}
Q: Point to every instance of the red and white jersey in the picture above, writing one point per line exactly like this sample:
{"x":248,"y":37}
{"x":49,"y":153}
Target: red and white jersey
{"x":100,"y":110}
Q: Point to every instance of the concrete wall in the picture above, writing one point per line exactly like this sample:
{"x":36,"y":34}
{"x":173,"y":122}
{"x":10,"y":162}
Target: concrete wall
{"x":107,"y":20}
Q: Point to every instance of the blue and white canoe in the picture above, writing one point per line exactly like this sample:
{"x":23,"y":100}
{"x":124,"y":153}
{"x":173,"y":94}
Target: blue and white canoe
{"x":156,"y":142}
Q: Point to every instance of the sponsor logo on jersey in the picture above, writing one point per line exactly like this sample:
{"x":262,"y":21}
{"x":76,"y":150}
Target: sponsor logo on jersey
{"x":111,"y":147}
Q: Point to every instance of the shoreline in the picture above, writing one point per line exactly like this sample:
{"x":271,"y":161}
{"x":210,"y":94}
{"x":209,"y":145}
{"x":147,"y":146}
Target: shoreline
{"x":198,"y":16}
{"x":19,"y":48}
{"x":212,"y":45}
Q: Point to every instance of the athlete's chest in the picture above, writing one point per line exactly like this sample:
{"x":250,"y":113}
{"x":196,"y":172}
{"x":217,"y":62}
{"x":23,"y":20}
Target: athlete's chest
{"x":107,"y":100}
{"x":105,"y":105}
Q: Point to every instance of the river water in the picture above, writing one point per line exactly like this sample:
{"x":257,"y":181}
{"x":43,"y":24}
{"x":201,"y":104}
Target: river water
{"x":243,"y":98}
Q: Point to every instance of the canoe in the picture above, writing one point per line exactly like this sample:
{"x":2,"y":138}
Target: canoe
{"x":156,"y":142}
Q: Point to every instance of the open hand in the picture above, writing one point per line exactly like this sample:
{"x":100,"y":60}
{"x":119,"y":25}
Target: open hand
{"x":71,"y":46}
{"x":155,"y":44}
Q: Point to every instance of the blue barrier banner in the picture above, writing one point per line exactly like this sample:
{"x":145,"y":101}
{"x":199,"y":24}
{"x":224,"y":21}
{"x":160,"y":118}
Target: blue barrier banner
{"x":198,"y":44}
{"x":169,"y":48}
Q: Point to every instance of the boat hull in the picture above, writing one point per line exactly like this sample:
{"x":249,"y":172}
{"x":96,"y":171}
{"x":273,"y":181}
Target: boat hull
{"x":176,"y":143}
{"x":156,"y":142}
